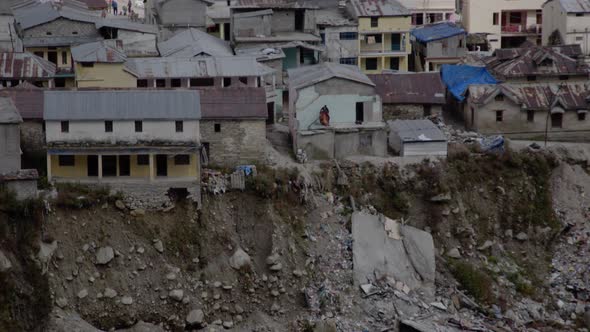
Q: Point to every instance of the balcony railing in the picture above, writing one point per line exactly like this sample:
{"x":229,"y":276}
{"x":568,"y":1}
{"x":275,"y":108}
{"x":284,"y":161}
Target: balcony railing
{"x":522,"y":29}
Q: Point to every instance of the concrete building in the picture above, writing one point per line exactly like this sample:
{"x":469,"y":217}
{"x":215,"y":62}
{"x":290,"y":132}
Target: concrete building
{"x":384,"y":35}
{"x":557,"y":111}
{"x":174,"y":15}
{"x":219,"y":20}
{"x":438,"y":44}
{"x":288,"y":25}
{"x":9,"y":39}
{"x":100,"y":65}
{"x":49,"y":29}
{"x":193,"y":42}
{"x":567,"y":22}
{"x":16,"y":68}
{"x":335,"y":112}
{"x":416,"y":138}
{"x":410,"y":96}
{"x":508,"y":23}
{"x":22,"y":182}
{"x":139,"y":40}
{"x":233,"y":125}
{"x":339,"y":35}
{"x":128,"y":139}
{"x":431,"y":11}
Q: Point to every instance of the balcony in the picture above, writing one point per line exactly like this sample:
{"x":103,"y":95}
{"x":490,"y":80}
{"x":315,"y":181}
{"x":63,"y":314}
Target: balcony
{"x":519,"y":29}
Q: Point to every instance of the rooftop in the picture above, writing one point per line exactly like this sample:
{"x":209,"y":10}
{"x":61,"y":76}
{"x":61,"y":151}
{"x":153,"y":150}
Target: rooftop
{"x":378,"y":8}
{"x":196,"y":67}
{"x":28,"y":101}
{"x":275,"y":4}
{"x":235,"y":103}
{"x":106,"y":51}
{"x":309,"y":75}
{"x":25,"y":65}
{"x":416,"y":130}
{"x":30,"y":14}
{"x":410,"y":88}
{"x":575,"y":6}
{"x":122,"y":105}
{"x":333,"y":17}
{"x":8,"y":112}
{"x":438,"y":31}
{"x":194,"y":42}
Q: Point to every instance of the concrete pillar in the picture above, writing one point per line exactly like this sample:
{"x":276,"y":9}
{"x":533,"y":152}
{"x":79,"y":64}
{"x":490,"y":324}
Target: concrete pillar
{"x":152,"y":168}
{"x":49,"y":176}
{"x":99,"y":167}
{"x":382,"y":43}
{"x":382,"y":63}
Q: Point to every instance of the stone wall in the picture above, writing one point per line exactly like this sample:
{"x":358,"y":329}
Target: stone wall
{"x":63,"y":27}
{"x":237,"y":142}
{"x":32,"y":136}
{"x":153,"y":195}
{"x":408,"y":111}
{"x":24,"y":189}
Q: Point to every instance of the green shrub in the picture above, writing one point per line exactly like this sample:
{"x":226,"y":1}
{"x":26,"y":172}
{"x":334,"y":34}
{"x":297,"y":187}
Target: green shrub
{"x":474,"y":281}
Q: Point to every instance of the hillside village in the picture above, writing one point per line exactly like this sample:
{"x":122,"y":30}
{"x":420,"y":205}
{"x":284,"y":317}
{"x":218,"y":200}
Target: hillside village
{"x":294,"y":165}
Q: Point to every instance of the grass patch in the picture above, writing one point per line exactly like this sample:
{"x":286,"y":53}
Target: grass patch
{"x":79,"y":196}
{"x":475,"y":282}
{"x":522,"y":286}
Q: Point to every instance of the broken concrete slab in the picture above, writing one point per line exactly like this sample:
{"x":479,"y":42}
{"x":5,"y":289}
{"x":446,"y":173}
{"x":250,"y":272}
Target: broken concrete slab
{"x":376,"y":255}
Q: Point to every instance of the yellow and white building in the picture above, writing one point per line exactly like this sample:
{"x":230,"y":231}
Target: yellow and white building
{"x":100,"y":65}
{"x":384,"y":35}
{"x":123,"y":137}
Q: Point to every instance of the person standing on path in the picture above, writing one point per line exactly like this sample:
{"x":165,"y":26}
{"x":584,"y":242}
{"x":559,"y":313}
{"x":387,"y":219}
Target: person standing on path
{"x":115,"y":5}
{"x":129,"y":7}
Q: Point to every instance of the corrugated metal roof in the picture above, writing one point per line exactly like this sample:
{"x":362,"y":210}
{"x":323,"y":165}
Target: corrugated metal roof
{"x":292,"y":4}
{"x":433,"y":32}
{"x":29,"y":14}
{"x":234,"y":103}
{"x":535,"y":96}
{"x":333,"y":17}
{"x":196,"y":67}
{"x":124,"y":24}
{"x":58,"y":41}
{"x":219,"y":11}
{"x":28,"y":101}
{"x":262,"y":52}
{"x":122,"y":105}
{"x":575,"y":6}
{"x":106,"y":51}
{"x":25,"y":65}
{"x":310,"y":75}
{"x":194,"y":42}
{"x":410,"y":88}
{"x":379,"y":8}
{"x":8,"y":112}
{"x":537,"y":60}
{"x":416,"y":130}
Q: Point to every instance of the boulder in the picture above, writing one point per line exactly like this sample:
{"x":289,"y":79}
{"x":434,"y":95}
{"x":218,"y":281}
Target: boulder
{"x":454,"y":253}
{"x":127,"y":300}
{"x":83,"y":293}
{"x":104,"y":255}
{"x":110,"y":293}
{"x":176,"y":295}
{"x":522,"y":236}
{"x":240,"y":260}
{"x":5,"y":263}
{"x":441,"y":198}
{"x":195,"y":317}
{"x":159,"y":246}
{"x":120,"y":205}
{"x":138,"y":213}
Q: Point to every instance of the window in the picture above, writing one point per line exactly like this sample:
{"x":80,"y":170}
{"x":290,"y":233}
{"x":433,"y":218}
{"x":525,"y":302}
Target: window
{"x":87,"y":64}
{"x":531,"y":78}
{"x":182,"y":159}
{"x":213,"y":28}
{"x":323,"y":36}
{"x":217,"y":127}
{"x":499,"y":97}
{"x":499,"y":116}
{"x":394,"y":63}
{"x":581,"y":116}
{"x":64,"y":58}
{"x":226,"y":81}
{"x":461,"y":42}
{"x":48,"y":33}
{"x":74,"y":32}
{"x":138,"y":126}
{"x":349,"y":35}
{"x":579,"y":14}
{"x":377,"y":37}
{"x":202,"y":82}
{"x":179,"y":126}
{"x":418,"y":19}
{"x":563,"y":77}
{"x":40,"y":54}
{"x":65,"y":126}
{"x":160,"y":83}
{"x":175,"y":82}
{"x":374,"y":22}
{"x":66,"y":160}
{"x":530,"y":116}
{"x":142,"y":83}
{"x":348,"y":61}
{"x":108,"y":126}
{"x":495,"y":18}
{"x":579,"y":38}
{"x":243,"y":79}
{"x":371,"y":64}
{"x":143,"y":159}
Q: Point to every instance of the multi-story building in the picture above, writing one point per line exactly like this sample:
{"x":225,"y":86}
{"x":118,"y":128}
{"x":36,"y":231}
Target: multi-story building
{"x":567,"y":22}
{"x":124,"y":138}
{"x":339,"y":35}
{"x":384,"y":34}
{"x":437,"y":44}
{"x":508,"y":23}
{"x":430,"y":11}
{"x":100,"y":65}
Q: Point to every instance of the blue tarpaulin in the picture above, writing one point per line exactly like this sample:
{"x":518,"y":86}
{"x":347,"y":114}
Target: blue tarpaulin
{"x":458,"y":78}
{"x":438,"y":31}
